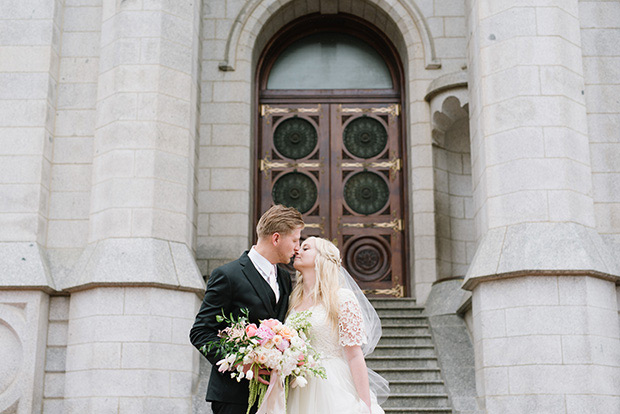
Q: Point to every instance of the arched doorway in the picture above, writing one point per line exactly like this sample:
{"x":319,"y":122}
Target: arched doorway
{"x":330,"y":142}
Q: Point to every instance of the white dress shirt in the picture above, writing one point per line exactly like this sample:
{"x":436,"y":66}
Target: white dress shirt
{"x":266,"y":269}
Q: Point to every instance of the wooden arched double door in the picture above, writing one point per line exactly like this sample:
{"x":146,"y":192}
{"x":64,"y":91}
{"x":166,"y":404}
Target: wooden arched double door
{"x":330,"y":142}
{"x":341,"y":165}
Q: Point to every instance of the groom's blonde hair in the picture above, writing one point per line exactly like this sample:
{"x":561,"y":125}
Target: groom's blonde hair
{"x":279,"y":219}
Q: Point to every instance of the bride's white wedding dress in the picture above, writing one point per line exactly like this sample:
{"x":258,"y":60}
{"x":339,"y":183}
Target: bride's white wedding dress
{"x":336,"y":394}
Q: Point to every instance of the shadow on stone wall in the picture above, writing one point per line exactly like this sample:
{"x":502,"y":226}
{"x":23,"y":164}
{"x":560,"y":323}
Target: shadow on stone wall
{"x":453,"y":344}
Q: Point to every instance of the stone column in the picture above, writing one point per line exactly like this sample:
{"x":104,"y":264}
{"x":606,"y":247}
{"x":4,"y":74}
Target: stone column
{"x":29,"y":56}
{"x":545,"y":317}
{"x":134,"y":289}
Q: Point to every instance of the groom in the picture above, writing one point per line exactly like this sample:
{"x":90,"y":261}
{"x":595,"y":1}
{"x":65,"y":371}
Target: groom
{"x":254,"y":282}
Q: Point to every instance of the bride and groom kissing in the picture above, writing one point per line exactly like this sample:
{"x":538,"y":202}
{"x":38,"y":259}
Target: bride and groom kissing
{"x":344,"y":325}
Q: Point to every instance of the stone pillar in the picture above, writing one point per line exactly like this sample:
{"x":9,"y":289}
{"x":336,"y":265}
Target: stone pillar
{"x":29,"y":56}
{"x":545,"y":318}
{"x":134,"y":289}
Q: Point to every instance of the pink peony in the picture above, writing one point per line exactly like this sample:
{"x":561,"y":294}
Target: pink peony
{"x":283,"y":344}
{"x":264,"y":334}
{"x":271,"y":323}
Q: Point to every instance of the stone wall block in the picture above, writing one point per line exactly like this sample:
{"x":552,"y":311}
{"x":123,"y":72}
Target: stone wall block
{"x":169,"y":357}
{"x":591,"y":404}
{"x":527,"y":350}
{"x":601,"y":69}
{"x":535,"y":111}
{"x":550,"y":379}
{"x":513,"y":22}
{"x":538,"y":174}
{"x":221,"y":247}
{"x":516,"y":207}
{"x":67,"y":233}
{"x":494,"y":381}
{"x":514,"y":144}
{"x":600,"y":42}
{"x":606,"y":187}
{"x":565,"y":206}
{"x":531,"y":50}
{"x":515,"y":404}
{"x":558,"y":80}
{"x":230,"y":178}
{"x":77,"y":150}
{"x":109,"y":223}
{"x":561,"y":142}
{"x":75,"y":123}
{"x":69,"y":205}
{"x":526,"y":291}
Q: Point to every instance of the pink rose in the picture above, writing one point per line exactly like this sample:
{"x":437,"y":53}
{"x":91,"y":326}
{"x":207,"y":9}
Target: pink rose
{"x":251,"y":329}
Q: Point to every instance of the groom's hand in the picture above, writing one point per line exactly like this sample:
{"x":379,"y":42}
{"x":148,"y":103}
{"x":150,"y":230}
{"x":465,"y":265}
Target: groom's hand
{"x":258,"y":373}
{"x":259,"y":376}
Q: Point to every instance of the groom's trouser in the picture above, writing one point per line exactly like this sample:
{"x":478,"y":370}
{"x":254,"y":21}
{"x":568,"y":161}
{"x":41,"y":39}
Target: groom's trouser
{"x":228,"y":408}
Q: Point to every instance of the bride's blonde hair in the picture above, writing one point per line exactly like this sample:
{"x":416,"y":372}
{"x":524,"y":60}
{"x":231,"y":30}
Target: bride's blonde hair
{"x":327,"y":269}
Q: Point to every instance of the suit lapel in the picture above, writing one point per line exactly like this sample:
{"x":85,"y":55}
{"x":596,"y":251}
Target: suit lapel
{"x":262,"y":288}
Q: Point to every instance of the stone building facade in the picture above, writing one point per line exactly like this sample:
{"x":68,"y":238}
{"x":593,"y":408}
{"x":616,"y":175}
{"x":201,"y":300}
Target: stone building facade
{"x":129,"y":165}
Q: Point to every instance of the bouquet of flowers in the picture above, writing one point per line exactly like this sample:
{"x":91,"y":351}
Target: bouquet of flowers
{"x":280,"y":348}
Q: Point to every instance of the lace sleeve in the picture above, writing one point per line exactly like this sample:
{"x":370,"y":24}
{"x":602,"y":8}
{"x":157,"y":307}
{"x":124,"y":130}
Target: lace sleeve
{"x":350,"y":322}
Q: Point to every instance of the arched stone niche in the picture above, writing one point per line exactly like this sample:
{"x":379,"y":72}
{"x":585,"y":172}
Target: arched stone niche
{"x":453,"y":193}
{"x":257,"y":13}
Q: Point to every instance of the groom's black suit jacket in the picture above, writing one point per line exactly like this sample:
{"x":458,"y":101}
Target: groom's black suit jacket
{"x":232,"y":287}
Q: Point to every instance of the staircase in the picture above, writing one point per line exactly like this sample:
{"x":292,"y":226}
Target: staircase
{"x":406,"y":357}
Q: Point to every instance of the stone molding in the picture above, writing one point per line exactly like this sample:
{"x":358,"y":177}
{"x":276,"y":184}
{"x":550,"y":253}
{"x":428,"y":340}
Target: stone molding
{"x":541,"y":249}
{"x":24,"y":266}
{"x":454,"y":80}
{"x":471,"y":284}
{"x":254,"y":10}
{"x":135,"y":262}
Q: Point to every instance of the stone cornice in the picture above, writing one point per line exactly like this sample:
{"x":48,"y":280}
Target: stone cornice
{"x":470,"y":284}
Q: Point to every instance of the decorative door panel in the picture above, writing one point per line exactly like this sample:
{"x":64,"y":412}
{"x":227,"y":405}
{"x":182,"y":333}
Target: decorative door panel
{"x":340,"y":166}
{"x":367,"y":219}
{"x":294,"y":162}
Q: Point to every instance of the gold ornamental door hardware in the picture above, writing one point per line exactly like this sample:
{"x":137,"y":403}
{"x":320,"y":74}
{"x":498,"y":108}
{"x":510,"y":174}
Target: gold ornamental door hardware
{"x":397,"y":291}
{"x":268,"y":110}
{"x":393,"y":110}
{"x":320,"y":226}
{"x":395,"y":164}
{"x":266,"y":164}
{"x":396,"y":225}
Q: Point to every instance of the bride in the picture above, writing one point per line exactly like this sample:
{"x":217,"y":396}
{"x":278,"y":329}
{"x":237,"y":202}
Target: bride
{"x":345,"y":327}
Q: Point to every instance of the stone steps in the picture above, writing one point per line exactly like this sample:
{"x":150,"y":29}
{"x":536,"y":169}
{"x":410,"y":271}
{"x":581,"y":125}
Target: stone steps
{"x":406,"y":357}
{"x":404,"y":350}
{"x":417,"y":386}
{"x":422,"y":410}
{"x":404,"y":361}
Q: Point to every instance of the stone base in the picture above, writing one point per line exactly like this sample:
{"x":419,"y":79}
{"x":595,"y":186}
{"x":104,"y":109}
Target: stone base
{"x":128,"y":351}
{"x":541,"y":248}
{"x":135,"y":262}
{"x":24,"y":266}
{"x":547,"y":344}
